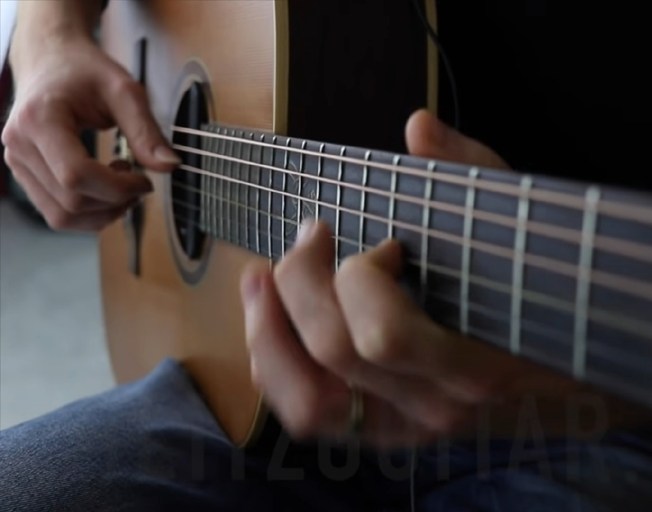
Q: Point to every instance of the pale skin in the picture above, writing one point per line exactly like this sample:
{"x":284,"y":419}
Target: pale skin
{"x":311,"y":333}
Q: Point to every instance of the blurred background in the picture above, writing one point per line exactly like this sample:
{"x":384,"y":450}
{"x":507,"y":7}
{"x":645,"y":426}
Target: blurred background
{"x":51,"y":334}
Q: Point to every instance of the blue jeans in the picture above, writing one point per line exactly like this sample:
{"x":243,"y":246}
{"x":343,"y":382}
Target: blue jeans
{"x":154,"y":446}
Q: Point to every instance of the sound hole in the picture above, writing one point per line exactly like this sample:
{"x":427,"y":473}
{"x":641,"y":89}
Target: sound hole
{"x":186,"y":185}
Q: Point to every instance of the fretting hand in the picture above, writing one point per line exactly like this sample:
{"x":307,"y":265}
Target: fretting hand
{"x":313,"y":335}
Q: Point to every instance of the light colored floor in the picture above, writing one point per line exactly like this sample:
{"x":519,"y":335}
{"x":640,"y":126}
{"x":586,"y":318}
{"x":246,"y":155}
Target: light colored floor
{"x":51,"y":340}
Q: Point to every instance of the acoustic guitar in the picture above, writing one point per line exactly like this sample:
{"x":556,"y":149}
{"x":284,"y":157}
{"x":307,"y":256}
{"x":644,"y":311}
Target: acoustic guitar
{"x":284,"y":110}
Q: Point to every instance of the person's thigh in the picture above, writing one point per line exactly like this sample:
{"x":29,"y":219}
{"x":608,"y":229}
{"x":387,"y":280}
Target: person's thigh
{"x":151,"y":446}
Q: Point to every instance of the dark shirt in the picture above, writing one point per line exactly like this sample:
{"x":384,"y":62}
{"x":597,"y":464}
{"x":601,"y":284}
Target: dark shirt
{"x":562,"y":93}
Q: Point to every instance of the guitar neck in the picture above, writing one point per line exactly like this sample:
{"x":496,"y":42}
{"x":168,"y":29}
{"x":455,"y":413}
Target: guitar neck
{"x":552,"y":270}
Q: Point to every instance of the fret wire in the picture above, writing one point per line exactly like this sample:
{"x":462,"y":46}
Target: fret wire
{"x":226,"y":195}
{"x":216,"y":189}
{"x":247,"y":192}
{"x":190,"y":206}
{"x":600,"y":316}
{"x":220,"y":203}
{"x":269,"y":203}
{"x":222,"y":182}
{"x":392,"y":201}
{"x":636,"y":213}
{"x":363,"y":199}
{"x":340,"y":173}
{"x":543,"y":331}
{"x":589,"y":229}
{"x":617,"y":282}
{"x":466,"y":252}
{"x":286,"y":165}
{"x":238,"y":189}
{"x":206,"y":162}
{"x":528,"y":325}
{"x":212,"y":187}
{"x":622,"y":247}
{"x":214,"y":183}
{"x":229,"y":192}
{"x":302,"y":157}
{"x":320,"y":170}
{"x":204,"y":214}
{"x":259,"y":182}
{"x":200,"y":185}
{"x":520,"y":245}
{"x":211,"y":184}
{"x":202,"y":211}
{"x":432,"y":167}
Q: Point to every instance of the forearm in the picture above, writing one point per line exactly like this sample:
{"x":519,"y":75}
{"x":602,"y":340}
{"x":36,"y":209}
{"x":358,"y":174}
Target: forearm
{"x":42,"y":24}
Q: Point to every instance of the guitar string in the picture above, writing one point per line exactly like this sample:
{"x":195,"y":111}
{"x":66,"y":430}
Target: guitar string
{"x":642,"y":214}
{"x":608,"y":244}
{"x":603,"y":350}
{"x":608,"y":280}
{"x":528,"y":325}
{"x":529,"y":228}
{"x":621,"y":247}
{"x":615,"y":321}
{"x":597,"y":375}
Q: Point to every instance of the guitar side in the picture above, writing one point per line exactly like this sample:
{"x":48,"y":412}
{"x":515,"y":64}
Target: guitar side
{"x":275,"y":66}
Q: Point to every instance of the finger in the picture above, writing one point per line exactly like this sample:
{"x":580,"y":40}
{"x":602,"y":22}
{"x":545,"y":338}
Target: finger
{"x":30,"y":158}
{"x":291,"y":382}
{"x":129,"y":106}
{"x":308,"y":400}
{"x":304,"y":279}
{"x":76,"y":171}
{"x":389,"y":331}
{"x":428,"y":137}
{"x":305,"y":284}
{"x":388,"y":257}
{"x":55,"y":216}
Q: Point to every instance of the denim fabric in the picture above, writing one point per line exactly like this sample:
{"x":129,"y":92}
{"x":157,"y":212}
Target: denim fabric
{"x":154,"y":446}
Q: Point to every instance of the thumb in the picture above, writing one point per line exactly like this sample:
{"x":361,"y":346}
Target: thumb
{"x":428,"y":137}
{"x":131,"y":112}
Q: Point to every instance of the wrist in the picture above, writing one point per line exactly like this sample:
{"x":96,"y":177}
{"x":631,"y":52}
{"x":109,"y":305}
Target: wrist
{"x":41,"y":26}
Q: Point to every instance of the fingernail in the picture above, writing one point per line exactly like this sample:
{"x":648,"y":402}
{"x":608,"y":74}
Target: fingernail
{"x":251,"y":287}
{"x":305,"y":230}
{"x":165,"y":155}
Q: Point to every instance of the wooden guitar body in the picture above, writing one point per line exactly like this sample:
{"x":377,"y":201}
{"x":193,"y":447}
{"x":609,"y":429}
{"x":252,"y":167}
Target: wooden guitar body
{"x":345,"y":72}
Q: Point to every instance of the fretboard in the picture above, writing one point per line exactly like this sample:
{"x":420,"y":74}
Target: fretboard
{"x":556,"y":271}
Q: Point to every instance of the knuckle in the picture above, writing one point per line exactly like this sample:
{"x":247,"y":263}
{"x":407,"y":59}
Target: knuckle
{"x":27,"y":116}
{"x":59,"y":220}
{"x":74,"y":203}
{"x":127,"y":86}
{"x":11,"y":159}
{"x":380,"y":345}
{"x":348,"y":269}
{"x":10,"y":135}
{"x":285,"y":271}
{"x":335,"y":354}
{"x":71,"y":178}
